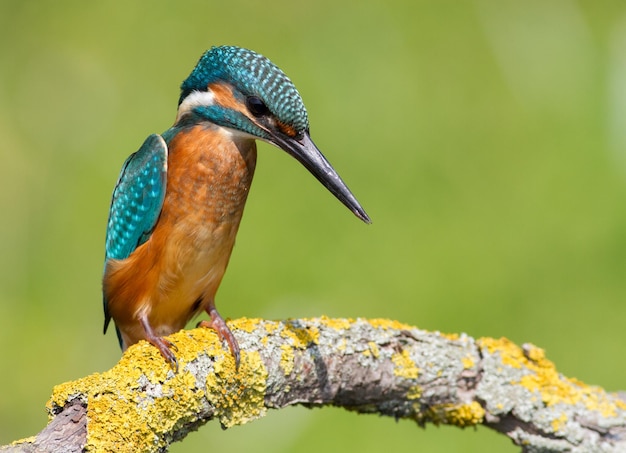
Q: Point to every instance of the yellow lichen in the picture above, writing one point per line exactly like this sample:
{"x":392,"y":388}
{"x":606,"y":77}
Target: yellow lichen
{"x":414,"y":392}
{"x":620,"y":403}
{"x":247,"y":324}
{"x":302,"y":337}
{"x":596,"y":399}
{"x":510,"y":353}
{"x":468,"y":362}
{"x":534,"y":353}
{"x":450,"y":336}
{"x":271,"y":327}
{"x":134,"y":406}
{"x":112,"y":416}
{"x":373,"y":347}
{"x":545,"y":379}
{"x":461,"y":415}
{"x":337,"y":323}
{"x":404,"y":365}
{"x":238,"y":402}
{"x":286,"y":359}
{"x":389,"y":324}
{"x":558,"y":422}
{"x":26,"y":440}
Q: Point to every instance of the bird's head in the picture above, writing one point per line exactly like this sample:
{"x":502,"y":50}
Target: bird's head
{"x":246,"y":93}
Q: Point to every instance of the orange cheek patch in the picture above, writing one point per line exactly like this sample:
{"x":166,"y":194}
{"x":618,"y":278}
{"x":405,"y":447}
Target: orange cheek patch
{"x":224,"y":97}
{"x":286,"y":129}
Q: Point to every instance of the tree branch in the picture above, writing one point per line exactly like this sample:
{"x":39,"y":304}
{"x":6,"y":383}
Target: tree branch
{"x":367,"y":366}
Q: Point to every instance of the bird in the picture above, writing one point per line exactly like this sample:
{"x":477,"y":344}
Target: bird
{"x":179,"y":199}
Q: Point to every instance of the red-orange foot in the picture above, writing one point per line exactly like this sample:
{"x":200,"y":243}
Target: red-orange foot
{"x":164,"y":346}
{"x":218,"y":324}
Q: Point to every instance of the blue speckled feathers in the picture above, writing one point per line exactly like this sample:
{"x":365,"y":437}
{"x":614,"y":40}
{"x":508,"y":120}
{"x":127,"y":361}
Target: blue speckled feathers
{"x":253,"y":74}
{"x":137,"y":198}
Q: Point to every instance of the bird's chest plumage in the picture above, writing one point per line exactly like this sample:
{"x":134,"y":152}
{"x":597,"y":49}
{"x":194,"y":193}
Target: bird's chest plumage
{"x":178,"y":270}
{"x":207,"y":184}
{"x":209,"y":178}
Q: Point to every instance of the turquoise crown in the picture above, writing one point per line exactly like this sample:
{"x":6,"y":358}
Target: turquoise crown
{"x":252,"y":74}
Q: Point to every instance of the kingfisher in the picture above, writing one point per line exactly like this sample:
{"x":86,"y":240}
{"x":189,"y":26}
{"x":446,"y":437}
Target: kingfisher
{"x":179,"y":199}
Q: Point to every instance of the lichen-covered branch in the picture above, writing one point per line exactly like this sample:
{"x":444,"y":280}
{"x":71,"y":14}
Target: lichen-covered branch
{"x":369,"y":366}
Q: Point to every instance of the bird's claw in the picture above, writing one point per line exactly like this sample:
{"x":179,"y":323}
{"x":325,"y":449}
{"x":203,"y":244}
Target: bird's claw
{"x":218,"y":324}
{"x":165,"y":348}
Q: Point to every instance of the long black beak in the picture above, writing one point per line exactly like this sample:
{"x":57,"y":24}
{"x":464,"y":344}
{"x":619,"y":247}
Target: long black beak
{"x":311,"y":157}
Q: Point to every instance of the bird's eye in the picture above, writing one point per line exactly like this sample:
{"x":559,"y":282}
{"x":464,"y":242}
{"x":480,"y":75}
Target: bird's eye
{"x":256,"y":106}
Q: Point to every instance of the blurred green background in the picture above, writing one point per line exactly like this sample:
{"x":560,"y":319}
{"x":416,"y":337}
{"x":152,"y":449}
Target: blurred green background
{"x":486,"y":139}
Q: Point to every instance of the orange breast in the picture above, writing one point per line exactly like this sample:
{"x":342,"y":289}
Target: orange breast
{"x":173,"y":275}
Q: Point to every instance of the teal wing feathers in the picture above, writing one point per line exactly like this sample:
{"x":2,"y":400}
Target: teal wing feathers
{"x":137,"y":201}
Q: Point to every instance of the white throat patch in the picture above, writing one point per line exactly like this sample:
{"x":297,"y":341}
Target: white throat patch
{"x":193,"y":100}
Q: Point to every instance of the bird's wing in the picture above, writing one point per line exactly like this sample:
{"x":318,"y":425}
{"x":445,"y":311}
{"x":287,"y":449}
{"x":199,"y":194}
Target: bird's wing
{"x":137,"y":201}
{"x":137,"y":198}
